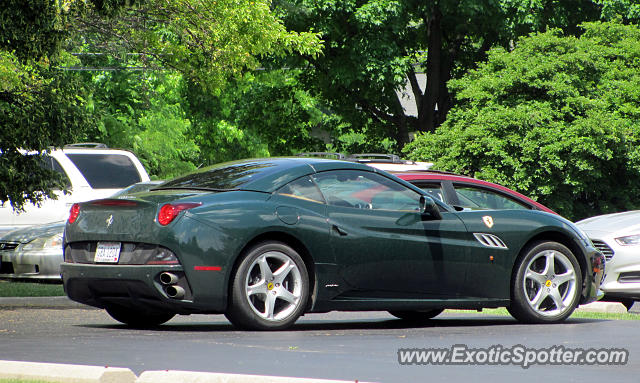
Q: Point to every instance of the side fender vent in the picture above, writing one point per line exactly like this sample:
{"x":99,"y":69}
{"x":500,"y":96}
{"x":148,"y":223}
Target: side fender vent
{"x":490,"y":240}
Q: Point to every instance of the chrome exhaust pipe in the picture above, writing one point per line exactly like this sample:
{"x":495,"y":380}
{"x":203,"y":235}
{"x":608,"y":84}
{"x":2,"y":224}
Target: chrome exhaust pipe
{"x":168,"y":278}
{"x":175,"y":292}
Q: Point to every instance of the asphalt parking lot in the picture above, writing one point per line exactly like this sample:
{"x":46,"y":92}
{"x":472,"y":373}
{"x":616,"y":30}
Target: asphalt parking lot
{"x":337,"y":345}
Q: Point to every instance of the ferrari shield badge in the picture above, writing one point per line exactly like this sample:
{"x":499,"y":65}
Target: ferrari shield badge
{"x":488,"y":220}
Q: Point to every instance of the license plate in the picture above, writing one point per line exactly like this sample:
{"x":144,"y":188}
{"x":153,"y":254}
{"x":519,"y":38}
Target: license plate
{"x":107,"y":252}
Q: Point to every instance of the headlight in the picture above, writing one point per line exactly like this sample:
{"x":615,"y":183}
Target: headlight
{"x":629,"y":240}
{"x":42,"y":243}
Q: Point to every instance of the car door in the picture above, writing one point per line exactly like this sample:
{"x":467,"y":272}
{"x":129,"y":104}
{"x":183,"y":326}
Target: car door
{"x":384,"y":245}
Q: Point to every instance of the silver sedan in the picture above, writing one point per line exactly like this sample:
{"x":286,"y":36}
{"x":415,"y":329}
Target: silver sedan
{"x":617,"y":236}
{"x":32,"y":253}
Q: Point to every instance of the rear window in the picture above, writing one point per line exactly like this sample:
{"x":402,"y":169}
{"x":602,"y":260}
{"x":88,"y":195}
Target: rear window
{"x":228,"y":176}
{"x":106,"y":171}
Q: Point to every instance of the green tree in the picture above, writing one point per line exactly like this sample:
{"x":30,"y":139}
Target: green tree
{"x":623,"y":10}
{"x":557,"y":118}
{"x":39,"y":105}
{"x":208,"y":41}
{"x":44,"y":95}
{"x":263,"y":113}
{"x":143,"y":111}
{"x":374,"y":48}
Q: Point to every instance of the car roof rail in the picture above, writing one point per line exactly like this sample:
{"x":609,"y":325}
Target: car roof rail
{"x":338,"y":156}
{"x":79,"y":145}
{"x":376,"y":157}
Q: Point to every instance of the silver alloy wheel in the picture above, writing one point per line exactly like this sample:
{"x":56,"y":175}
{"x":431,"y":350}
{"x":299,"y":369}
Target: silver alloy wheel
{"x":273,"y":286}
{"x":550,"y":283}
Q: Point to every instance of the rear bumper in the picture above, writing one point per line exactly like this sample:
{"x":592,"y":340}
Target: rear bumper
{"x":136,"y":286}
{"x":33,"y":265}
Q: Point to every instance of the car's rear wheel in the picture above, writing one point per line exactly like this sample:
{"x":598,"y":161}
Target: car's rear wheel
{"x":416,"y":316}
{"x":138,"y":318}
{"x":269,"y":289}
{"x":546,"y":285}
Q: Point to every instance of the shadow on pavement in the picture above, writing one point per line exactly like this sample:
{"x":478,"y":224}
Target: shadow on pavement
{"x":328,"y":325}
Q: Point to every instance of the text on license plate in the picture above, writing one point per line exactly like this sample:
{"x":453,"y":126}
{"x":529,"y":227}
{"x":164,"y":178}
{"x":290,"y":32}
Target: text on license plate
{"x":107,"y":252}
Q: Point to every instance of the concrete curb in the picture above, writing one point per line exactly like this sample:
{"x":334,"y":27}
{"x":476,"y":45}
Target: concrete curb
{"x":173,"y":376}
{"x":605,"y":307}
{"x":70,"y":373}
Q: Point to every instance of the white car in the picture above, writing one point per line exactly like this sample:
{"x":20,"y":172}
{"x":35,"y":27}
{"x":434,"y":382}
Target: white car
{"x":617,"y":236}
{"x":386,"y":162}
{"x":390,"y":162}
{"x":91,"y":172}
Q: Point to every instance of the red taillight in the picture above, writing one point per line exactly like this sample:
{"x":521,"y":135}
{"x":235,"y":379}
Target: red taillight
{"x":73,"y":213}
{"x":170,"y":211}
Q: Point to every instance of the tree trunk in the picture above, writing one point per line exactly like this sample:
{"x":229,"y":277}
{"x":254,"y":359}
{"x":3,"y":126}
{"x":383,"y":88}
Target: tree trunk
{"x":427,"y":109}
{"x":401,"y":133}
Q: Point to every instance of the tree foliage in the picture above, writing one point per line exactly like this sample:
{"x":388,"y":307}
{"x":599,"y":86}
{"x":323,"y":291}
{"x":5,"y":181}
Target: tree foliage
{"x":143,"y":112}
{"x":558,"y":119}
{"x":265,"y":113}
{"x":207,"y":41}
{"x":39,"y":105}
{"x":47,"y":100}
{"x":621,"y":10}
{"x":375,"y":51}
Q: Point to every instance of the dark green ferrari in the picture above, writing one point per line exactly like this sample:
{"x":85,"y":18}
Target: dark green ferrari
{"x":266,"y":240}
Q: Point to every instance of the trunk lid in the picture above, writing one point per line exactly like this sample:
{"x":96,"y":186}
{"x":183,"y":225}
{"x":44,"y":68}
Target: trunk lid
{"x":131,"y":218}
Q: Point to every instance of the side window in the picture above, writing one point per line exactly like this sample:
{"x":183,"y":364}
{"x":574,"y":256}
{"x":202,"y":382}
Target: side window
{"x":479,"y":198}
{"x":302,"y":188}
{"x":433,"y":189}
{"x":106,"y":171}
{"x":365,"y":190}
{"x":51,"y":163}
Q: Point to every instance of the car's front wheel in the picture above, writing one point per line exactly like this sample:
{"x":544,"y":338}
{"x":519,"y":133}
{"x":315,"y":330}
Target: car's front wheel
{"x":269,"y":289}
{"x":546,"y":285}
{"x":416,"y":316}
{"x":138,"y":318}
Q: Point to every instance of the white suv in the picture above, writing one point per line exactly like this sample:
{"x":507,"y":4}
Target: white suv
{"x":92,"y":171}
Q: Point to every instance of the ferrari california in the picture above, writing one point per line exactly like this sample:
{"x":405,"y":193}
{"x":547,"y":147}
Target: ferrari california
{"x":264,"y":241}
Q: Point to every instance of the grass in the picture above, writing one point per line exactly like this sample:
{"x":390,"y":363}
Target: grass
{"x":576,"y":314}
{"x":28,"y":289}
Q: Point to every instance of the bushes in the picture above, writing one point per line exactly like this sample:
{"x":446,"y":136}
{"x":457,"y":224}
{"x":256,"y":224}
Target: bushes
{"x":557,"y":118}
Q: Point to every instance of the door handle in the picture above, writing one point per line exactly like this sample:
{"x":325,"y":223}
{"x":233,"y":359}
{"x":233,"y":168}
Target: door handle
{"x":338,"y":230}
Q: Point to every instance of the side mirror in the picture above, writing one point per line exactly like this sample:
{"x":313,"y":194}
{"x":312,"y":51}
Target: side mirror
{"x":428,"y":206}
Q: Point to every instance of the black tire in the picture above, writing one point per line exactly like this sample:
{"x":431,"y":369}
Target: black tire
{"x":416,"y":316}
{"x":268,"y":302}
{"x":138,"y":318}
{"x":540,"y":294}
